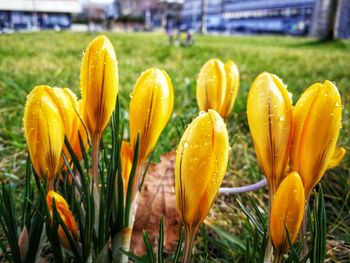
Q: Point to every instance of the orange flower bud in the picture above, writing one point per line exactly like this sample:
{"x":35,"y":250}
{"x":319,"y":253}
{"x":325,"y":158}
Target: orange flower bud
{"x":65,"y":214}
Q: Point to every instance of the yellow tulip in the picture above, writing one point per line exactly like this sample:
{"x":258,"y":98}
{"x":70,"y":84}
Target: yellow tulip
{"x":232,"y":85}
{"x":150,"y":109}
{"x":317,"y":120}
{"x":287,"y":211}
{"x":200,"y":166}
{"x":269,"y":110}
{"x":66,"y":215}
{"x":99,"y":85}
{"x":127,"y":155}
{"x":201,"y":162}
{"x":44,"y":132}
{"x":211,"y":85}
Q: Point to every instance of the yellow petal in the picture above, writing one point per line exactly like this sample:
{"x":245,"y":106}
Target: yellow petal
{"x":99,"y":84}
{"x":287,"y":210}
{"x":269,"y":111}
{"x":201,"y":162}
{"x":317,"y":120}
{"x":338,"y":155}
{"x":66,"y":215}
{"x":150,"y":109}
{"x":67,"y":104}
{"x":80,"y":128}
{"x":126,"y":154}
{"x":232,"y":85}
{"x":44,"y":131}
{"x":211,"y":85}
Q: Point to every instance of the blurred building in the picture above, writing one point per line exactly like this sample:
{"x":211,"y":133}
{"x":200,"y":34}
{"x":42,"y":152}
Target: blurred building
{"x":191,"y":14}
{"x":295,"y":17}
{"x":99,"y":11}
{"x":282,"y":16}
{"x":342,"y":25}
{"x":252,"y":16}
{"x":25,"y":14}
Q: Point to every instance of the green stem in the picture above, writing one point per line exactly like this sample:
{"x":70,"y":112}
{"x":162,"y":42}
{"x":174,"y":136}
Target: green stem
{"x":95,"y":148}
{"x":189,"y":242}
{"x":303,"y":231}
{"x":277,"y":256}
{"x":121,"y":241}
{"x":269,"y":248}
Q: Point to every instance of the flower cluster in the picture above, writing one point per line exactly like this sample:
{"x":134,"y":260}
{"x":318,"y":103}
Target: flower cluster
{"x":294,"y":146}
{"x":91,"y":211}
{"x":53,"y":114}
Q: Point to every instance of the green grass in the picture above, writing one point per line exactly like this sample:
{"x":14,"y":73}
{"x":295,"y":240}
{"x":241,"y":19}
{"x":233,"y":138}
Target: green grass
{"x":54,"y":58}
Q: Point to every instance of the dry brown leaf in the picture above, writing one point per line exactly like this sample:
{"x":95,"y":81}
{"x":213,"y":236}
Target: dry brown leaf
{"x":157,"y":198}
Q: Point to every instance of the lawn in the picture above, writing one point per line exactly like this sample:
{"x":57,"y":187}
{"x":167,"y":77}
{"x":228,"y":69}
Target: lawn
{"x":54,"y":58}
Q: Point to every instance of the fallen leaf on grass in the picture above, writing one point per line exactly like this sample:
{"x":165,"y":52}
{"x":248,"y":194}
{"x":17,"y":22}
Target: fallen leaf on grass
{"x":157,"y":198}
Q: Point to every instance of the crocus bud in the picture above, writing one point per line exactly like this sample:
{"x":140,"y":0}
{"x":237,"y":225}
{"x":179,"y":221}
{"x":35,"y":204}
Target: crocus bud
{"x":44,"y":131}
{"x":99,"y":85}
{"x":201,"y":162}
{"x":150,"y":109}
{"x":126,"y":155}
{"x":232,"y":85}
{"x":269,"y":110}
{"x":66,"y":215}
{"x":211,"y":85}
{"x":317,"y":120}
{"x":287,"y":211}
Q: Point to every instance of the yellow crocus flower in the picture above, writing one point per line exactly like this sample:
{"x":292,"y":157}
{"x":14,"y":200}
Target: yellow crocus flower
{"x":66,"y":215}
{"x":99,"y":85}
{"x":287,"y":211}
{"x":317,"y":120}
{"x":150,"y":109}
{"x":269,"y":110}
{"x":232,"y":86}
{"x":201,"y":162}
{"x":211,"y":85}
{"x":44,"y":132}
